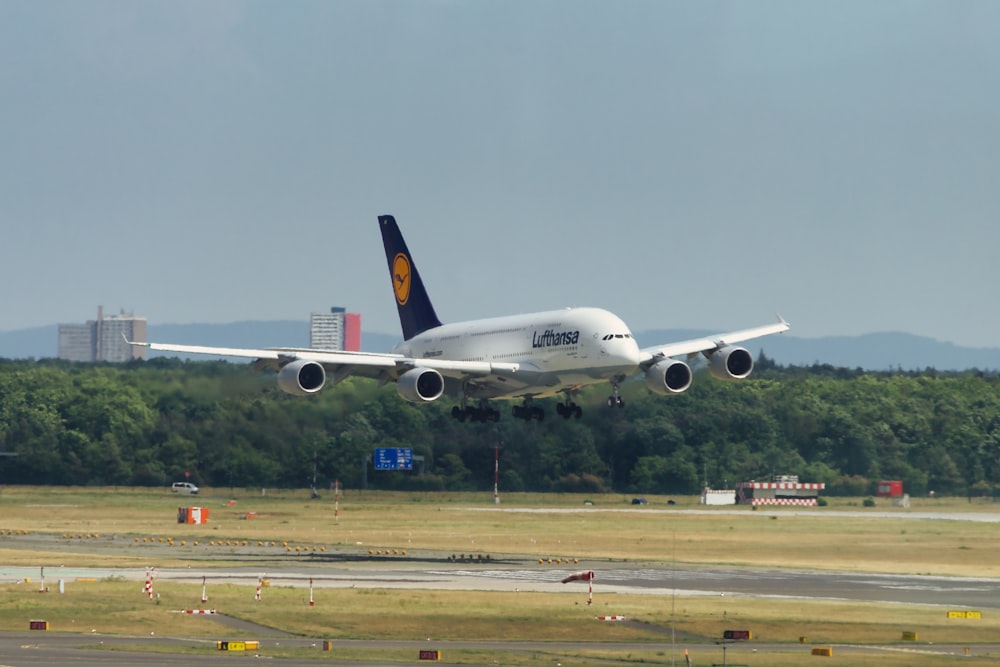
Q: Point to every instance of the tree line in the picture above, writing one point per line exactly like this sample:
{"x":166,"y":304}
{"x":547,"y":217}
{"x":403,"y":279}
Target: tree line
{"x":219,"y":424}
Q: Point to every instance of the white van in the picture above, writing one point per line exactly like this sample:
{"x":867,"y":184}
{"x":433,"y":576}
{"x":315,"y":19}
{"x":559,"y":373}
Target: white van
{"x":184,"y":487}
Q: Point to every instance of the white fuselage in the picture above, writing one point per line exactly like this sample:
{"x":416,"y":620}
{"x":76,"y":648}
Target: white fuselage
{"x":554,"y":351}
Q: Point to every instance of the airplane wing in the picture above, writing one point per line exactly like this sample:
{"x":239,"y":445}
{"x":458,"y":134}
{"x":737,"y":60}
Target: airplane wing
{"x":692,"y":347}
{"x":342,"y":364}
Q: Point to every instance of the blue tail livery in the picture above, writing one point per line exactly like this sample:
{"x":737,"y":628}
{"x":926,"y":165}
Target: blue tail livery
{"x":416,"y":314}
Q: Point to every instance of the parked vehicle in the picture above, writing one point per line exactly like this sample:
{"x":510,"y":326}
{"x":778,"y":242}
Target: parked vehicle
{"x":184,"y":487}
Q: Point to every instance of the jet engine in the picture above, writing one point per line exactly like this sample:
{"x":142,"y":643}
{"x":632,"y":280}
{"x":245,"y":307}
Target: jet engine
{"x":301,"y":377}
{"x":729,"y":363}
{"x":420,"y":385}
{"x":668,"y":377}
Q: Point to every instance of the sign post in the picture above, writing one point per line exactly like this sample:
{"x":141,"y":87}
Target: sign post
{"x":730,"y":636}
{"x":393,"y":458}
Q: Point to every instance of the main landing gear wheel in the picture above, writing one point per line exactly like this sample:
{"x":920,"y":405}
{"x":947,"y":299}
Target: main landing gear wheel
{"x":481,"y":414}
{"x":569,"y":409}
{"x":528,"y":412}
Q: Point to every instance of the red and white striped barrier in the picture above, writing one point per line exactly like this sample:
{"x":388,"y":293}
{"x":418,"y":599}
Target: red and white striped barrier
{"x":800,"y":502}
{"x":610,"y":618}
{"x":784,"y":485}
{"x":197,"y":611}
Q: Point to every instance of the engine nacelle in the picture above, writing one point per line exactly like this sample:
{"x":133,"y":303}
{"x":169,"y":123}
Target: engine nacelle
{"x":301,"y":377}
{"x":668,"y":377}
{"x":730,"y":363}
{"x":420,"y":385}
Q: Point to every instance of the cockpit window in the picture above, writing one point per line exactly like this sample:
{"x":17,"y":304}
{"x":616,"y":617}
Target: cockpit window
{"x":617,"y":335}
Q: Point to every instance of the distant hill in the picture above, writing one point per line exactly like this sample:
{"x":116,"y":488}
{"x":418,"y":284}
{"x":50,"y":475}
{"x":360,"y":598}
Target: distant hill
{"x":34,"y":343}
{"x":878,"y":351}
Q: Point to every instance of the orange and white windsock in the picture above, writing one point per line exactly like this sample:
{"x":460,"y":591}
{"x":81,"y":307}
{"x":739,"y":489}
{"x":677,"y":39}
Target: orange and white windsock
{"x":586,"y":575}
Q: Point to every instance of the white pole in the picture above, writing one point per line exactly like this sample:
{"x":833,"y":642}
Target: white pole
{"x":496,"y":475}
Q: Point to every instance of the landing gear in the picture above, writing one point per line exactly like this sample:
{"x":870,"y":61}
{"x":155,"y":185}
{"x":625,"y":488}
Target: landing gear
{"x":614,"y":399}
{"x":527,"y":412}
{"x":569,"y":409}
{"x":484,"y":413}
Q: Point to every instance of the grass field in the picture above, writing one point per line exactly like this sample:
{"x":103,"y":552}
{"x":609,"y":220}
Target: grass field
{"x":610,"y":529}
{"x":137,"y":527}
{"x":118,"y":608}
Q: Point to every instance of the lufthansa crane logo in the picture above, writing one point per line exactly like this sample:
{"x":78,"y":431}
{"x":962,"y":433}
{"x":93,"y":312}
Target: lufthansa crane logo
{"x":401,"y":278}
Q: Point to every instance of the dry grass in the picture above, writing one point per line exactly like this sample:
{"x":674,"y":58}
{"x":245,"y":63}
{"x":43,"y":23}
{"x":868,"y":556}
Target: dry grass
{"x":540,"y":657}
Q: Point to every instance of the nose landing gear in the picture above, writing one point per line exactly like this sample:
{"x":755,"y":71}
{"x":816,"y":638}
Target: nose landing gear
{"x":614,"y":399}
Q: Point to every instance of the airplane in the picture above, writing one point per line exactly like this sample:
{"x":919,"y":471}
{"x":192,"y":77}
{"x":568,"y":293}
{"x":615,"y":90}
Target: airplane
{"x":517,"y":357}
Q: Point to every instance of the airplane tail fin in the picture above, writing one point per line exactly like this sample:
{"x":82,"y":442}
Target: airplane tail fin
{"x":416,"y":314}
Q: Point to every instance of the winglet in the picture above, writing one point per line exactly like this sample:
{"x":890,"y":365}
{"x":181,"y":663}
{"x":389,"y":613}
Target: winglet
{"x":416,"y":314}
{"x":132,"y":342}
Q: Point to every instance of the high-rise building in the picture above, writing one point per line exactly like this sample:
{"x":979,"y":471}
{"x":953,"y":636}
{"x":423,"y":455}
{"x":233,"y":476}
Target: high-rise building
{"x":77,"y":342}
{"x":103,"y":339}
{"x":113,"y":331}
{"x":352,"y":332}
{"x":336,"y":330}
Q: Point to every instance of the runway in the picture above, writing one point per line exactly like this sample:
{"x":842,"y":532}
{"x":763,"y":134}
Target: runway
{"x":683,"y":580}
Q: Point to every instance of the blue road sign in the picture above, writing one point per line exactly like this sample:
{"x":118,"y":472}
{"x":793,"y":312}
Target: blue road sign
{"x":393,"y":458}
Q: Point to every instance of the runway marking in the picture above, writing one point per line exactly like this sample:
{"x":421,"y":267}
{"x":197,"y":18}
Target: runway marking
{"x":897,"y":649}
{"x":735,"y":584}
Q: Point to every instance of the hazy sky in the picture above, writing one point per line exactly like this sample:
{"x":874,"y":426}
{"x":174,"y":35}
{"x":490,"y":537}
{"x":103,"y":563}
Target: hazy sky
{"x":694,"y":165}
